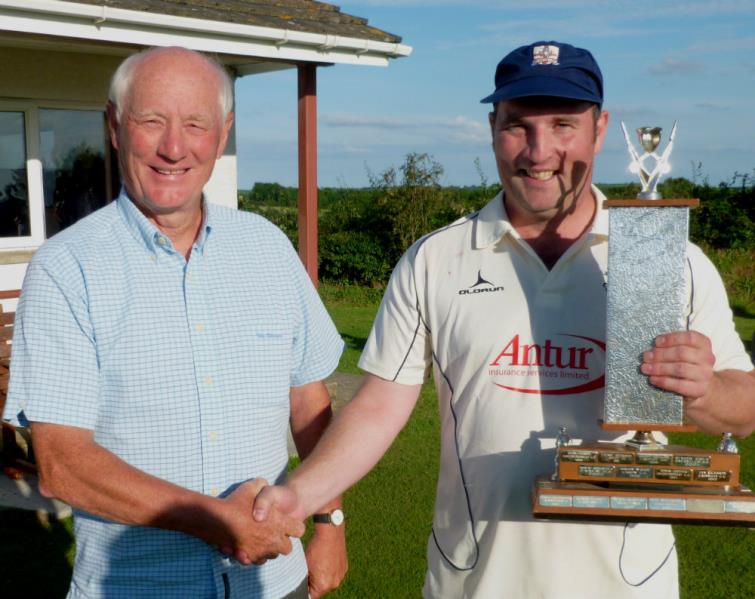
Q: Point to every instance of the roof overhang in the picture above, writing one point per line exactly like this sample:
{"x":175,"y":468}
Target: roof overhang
{"x":254,"y":49}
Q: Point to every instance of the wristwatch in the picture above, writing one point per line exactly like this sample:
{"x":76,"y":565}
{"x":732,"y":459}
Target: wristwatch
{"x":334,"y":517}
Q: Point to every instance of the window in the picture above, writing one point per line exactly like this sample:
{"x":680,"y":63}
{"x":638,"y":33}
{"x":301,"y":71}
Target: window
{"x":72,"y":144}
{"x":14,"y":195}
{"x":55,"y":168}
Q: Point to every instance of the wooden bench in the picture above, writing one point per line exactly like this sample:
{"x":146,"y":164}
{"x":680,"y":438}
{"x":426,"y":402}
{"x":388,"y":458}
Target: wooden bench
{"x":15,"y":447}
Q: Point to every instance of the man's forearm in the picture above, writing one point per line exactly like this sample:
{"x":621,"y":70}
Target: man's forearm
{"x":327,"y":560}
{"x":357,"y":438}
{"x":311,"y":413}
{"x":79,"y":471}
{"x":729,"y":406}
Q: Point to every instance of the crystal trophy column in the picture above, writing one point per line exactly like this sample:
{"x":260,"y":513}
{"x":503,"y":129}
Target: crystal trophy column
{"x":646,"y":289}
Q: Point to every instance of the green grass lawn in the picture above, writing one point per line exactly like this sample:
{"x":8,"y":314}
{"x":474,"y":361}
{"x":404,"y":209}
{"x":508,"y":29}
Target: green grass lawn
{"x":390,"y":511}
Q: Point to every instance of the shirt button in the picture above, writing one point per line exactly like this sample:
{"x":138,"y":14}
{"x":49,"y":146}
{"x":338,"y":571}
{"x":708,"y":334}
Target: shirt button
{"x":208,"y":380}
{"x":199,"y":328}
{"x":214,"y":491}
{"x":162,"y":241}
{"x":212,"y":436}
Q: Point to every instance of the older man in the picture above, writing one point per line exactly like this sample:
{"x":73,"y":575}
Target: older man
{"x":535,"y":257}
{"x":162,"y":346}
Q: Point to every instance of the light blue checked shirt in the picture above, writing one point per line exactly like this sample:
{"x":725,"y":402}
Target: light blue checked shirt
{"x":182,"y":369}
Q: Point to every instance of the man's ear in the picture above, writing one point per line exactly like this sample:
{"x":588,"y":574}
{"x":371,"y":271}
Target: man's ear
{"x":601,"y":126}
{"x":224,"y":134}
{"x":112,"y":123}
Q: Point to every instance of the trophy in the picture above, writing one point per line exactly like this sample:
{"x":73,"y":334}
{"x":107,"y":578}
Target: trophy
{"x":643,"y":479}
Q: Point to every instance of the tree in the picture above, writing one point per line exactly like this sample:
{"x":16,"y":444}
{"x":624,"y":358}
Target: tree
{"x":414,"y":201}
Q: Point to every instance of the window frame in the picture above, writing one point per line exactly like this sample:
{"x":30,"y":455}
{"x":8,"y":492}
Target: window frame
{"x":34,"y":174}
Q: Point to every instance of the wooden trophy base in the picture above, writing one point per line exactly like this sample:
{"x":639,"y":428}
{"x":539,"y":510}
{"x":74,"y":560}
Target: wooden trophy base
{"x":628,"y":503}
{"x":645,"y":483}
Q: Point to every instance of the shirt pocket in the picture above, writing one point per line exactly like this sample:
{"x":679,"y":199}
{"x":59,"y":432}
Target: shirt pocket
{"x":257,"y":361}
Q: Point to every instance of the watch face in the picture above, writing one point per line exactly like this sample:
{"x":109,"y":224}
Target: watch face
{"x":336,"y":517}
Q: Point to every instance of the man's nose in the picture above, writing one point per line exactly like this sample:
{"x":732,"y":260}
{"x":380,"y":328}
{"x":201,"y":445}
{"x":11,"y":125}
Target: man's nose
{"x":539,"y":144}
{"x":172,"y":145}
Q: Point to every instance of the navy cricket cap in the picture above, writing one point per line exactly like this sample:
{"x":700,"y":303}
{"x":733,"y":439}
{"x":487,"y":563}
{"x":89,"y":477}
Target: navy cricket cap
{"x":548,"y":69}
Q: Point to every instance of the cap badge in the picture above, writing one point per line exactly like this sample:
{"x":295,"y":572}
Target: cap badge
{"x":545,"y":55}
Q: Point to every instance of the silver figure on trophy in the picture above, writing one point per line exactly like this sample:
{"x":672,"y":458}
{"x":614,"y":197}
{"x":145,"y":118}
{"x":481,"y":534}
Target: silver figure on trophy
{"x":649,"y":138}
{"x":562,"y":440}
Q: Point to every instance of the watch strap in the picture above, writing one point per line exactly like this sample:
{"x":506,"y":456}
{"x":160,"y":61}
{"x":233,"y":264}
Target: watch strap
{"x":334,"y":517}
{"x":321,"y":518}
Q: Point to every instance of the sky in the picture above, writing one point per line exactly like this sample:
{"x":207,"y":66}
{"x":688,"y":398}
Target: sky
{"x":662,"y":61}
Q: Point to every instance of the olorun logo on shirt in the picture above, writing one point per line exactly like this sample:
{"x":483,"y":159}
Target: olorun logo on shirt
{"x":482,"y":285}
{"x":560,"y":366}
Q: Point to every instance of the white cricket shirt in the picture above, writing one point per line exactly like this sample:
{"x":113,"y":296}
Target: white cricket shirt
{"x":517,"y":351}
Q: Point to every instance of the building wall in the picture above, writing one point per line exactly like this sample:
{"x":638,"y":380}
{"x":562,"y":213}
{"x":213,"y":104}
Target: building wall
{"x":51,"y":75}
{"x":81,"y":80}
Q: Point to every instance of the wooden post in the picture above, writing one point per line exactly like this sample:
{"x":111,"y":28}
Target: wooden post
{"x":308,"y":168}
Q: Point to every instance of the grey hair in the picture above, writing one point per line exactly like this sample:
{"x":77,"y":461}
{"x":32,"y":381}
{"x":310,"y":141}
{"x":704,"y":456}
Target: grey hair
{"x":121,"y":81}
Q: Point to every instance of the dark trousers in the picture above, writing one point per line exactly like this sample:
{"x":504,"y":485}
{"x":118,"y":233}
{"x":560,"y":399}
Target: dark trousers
{"x":300,"y":592}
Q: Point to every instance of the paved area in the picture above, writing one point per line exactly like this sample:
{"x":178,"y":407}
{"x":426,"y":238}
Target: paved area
{"x":342,"y":387}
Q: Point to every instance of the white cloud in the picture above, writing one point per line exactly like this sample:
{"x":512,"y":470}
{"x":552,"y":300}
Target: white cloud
{"x":601,"y":19}
{"x":458,"y":128}
{"x":672,"y":66}
{"x":712,"y":106}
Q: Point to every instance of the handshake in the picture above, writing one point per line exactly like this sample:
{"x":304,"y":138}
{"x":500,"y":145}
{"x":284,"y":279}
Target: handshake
{"x":259,"y":520}
{"x":263,"y":532}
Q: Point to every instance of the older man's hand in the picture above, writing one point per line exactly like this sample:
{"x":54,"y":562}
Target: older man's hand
{"x":256,"y":541}
{"x":327,"y":560}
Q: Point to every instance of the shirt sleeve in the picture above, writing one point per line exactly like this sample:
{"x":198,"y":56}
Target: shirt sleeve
{"x":317,"y":346}
{"x":711,"y":315}
{"x":54,"y":367}
{"x":398,"y":348}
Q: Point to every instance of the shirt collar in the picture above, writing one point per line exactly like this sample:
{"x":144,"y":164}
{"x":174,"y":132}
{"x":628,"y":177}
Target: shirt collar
{"x":493,"y":222}
{"x":148,"y":235}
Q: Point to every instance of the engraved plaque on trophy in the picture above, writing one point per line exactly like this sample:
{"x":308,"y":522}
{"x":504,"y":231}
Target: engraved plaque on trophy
{"x":642,"y":479}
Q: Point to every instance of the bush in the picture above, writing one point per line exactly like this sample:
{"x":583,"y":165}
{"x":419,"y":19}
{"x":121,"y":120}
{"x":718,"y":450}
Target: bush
{"x":737,"y":270}
{"x":364,"y":231}
{"x":726,"y":216}
{"x":412,"y":202}
{"x":353,"y":257}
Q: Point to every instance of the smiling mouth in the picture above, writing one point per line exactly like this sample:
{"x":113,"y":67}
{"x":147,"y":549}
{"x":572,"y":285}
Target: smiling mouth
{"x":170,"y":171}
{"x":540,"y":175}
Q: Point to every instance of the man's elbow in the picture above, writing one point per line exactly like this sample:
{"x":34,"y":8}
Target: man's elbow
{"x":49,"y":481}
{"x":56,"y":448}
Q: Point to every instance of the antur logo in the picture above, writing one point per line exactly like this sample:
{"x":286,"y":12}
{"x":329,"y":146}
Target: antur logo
{"x":549,"y":362}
